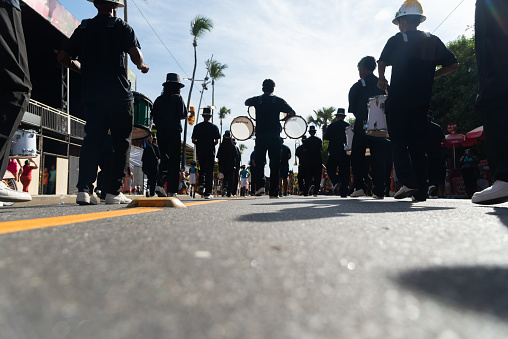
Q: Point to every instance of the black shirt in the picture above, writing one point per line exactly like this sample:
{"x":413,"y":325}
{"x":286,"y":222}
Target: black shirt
{"x":313,"y":147}
{"x":100,"y":45}
{"x":413,"y":66}
{"x":226,"y":155}
{"x":205,"y":134}
{"x":285,"y":154}
{"x":150,"y":159}
{"x":268,"y":108}
{"x":359,"y":96}
{"x":301,"y":153}
{"x":492,"y":50}
{"x":13,"y":3}
{"x":336,"y":135}
{"x":168,"y":110}
{"x":433,"y":140}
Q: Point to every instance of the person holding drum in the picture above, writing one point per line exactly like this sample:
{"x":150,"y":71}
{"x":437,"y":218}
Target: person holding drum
{"x":338,"y":166}
{"x":96,"y":49}
{"x":268,"y":109}
{"x":313,"y":146}
{"x":15,"y":87}
{"x":491,"y":21}
{"x":205,"y":136}
{"x":359,"y":96}
{"x":414,"y":56}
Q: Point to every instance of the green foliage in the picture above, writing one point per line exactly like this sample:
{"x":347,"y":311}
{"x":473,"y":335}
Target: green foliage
{"x":242,"y":147}
{"x":200,"y":25}
{"x":215,"y":69}
{"x":454,"y":95}
{"x":223,"y":112}
{"x":324,"y":151}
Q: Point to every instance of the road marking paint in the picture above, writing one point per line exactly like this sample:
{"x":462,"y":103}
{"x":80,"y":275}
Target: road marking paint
{"x":24,"y":225}
{"x":204,"y":202}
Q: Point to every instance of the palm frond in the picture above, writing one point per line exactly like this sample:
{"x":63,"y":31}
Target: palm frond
{"x":200,"y":25}
{"x":215,"y":69}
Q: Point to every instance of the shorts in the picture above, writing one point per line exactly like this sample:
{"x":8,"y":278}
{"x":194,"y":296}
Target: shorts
{"x":244,"y":182}
{"x":283,"y":171}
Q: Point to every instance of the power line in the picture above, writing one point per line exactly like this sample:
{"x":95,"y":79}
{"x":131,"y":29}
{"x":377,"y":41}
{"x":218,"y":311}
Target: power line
{"x":162,"y":42}
{"x":448,"y":16}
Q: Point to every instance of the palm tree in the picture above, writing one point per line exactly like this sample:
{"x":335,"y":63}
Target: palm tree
{"x":199,"y":26}
{"x":242,"y":147}
{"x":215,"y":69}
{"x":222,"y":114}
{"x":323,"y":117}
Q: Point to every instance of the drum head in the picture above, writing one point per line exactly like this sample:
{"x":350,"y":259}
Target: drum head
{"x":140,"y":132}
{"x":295,"y":127}
{"x":252,"y":112}
{"x":242,"y":128}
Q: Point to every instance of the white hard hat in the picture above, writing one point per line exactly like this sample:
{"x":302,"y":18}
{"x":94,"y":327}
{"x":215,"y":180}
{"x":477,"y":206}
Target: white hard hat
{"x":118,"y":2}
{"x":409,"y":7}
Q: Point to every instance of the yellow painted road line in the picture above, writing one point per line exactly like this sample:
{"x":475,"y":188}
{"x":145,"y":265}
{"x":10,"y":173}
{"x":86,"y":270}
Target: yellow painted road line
{"x":24,"y":225}
{"x":204,"y":202}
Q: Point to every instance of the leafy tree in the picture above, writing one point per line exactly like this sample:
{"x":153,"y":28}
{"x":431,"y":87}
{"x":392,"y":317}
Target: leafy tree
{"x":215,"y":69}
{"x":199,"y":26}
{"x":323,"y":117}
{"x":454,"y":95}
{"x":222,"y":115}
{"x":242,"y":148}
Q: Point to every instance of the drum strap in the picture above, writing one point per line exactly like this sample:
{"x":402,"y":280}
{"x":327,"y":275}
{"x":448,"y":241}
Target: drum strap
{"x":261,"y":99}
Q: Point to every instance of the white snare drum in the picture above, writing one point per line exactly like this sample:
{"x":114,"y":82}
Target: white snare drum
{"x":349,"y":140}
{"x":242,"y":128}
{"x":24,"y":144}
{"x":376,"y":124}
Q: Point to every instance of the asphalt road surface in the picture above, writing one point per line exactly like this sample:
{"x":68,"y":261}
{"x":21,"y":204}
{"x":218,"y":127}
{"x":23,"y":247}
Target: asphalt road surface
{"x":296,"y":267}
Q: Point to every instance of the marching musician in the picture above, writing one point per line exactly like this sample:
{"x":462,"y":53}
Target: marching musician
{"x":268,"y":108}
{"x":491,"y":21}
{"x":285,"y":155}
{"x":313,"y":147}
{"x":227,"y":156}
{"x":303,"y":165}
{"x":413,"y":55}
{"x":96,"y":49}
{"x":359,"y":96}
{"x":168,"y":110}
{"x":205,"y":136}
{"x":338,"y":165}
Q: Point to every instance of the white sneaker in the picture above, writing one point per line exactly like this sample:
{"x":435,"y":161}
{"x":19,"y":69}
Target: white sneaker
{"x":160,"y":191}
{"x":112,"y":199}
{"x":260,"y":192}
{"x":378,"y":197}
{"x":404,"y":192}
{"x":84,"y":198}
{"x":358,"y":193}
{"x":209,"y":196}
{"x":7,"y":194}
{"x":495,"y":194}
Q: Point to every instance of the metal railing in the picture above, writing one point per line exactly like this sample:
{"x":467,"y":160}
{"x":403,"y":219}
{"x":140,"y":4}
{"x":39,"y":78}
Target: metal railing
{"x":57,"y":120}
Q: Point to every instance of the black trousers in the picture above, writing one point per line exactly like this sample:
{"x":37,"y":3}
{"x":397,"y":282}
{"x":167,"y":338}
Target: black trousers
{"x":229,"y":180}
{"x":339,"y":170}
{"x":170,"y":148}
{"x":408,"y":130}
{"x":377,"y":162}
{"x":206,"y":162}
{"x":273,"y":146}
{"x":435,"y":171}
{"x":15,"y":83}
{"x":313,"y":175}
{"x":495,"y":118}
{"x":116,"y":117}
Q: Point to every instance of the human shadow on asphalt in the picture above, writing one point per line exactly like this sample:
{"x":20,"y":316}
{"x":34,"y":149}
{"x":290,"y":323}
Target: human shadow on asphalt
{"x":481,"y":289}
{"x":501,"y":213}
{"x":319,"y":209}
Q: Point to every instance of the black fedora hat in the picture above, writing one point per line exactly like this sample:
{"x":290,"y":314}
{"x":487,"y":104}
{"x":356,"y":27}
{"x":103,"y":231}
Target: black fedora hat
{"x":312,"y":128}
{"x":341,"y":111}
{"x":173,"y":78}
{"x":207,"y":111}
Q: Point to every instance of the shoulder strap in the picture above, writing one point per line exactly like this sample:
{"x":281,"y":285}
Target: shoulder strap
{"x":84,"y":24}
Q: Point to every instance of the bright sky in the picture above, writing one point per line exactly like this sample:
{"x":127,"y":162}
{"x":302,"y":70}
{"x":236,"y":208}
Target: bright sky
{"x":310,"y":49}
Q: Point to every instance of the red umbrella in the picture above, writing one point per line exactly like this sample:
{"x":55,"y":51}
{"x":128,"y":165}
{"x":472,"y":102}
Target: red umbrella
{"x":477,"y":133}
{"x":454,"y":140}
